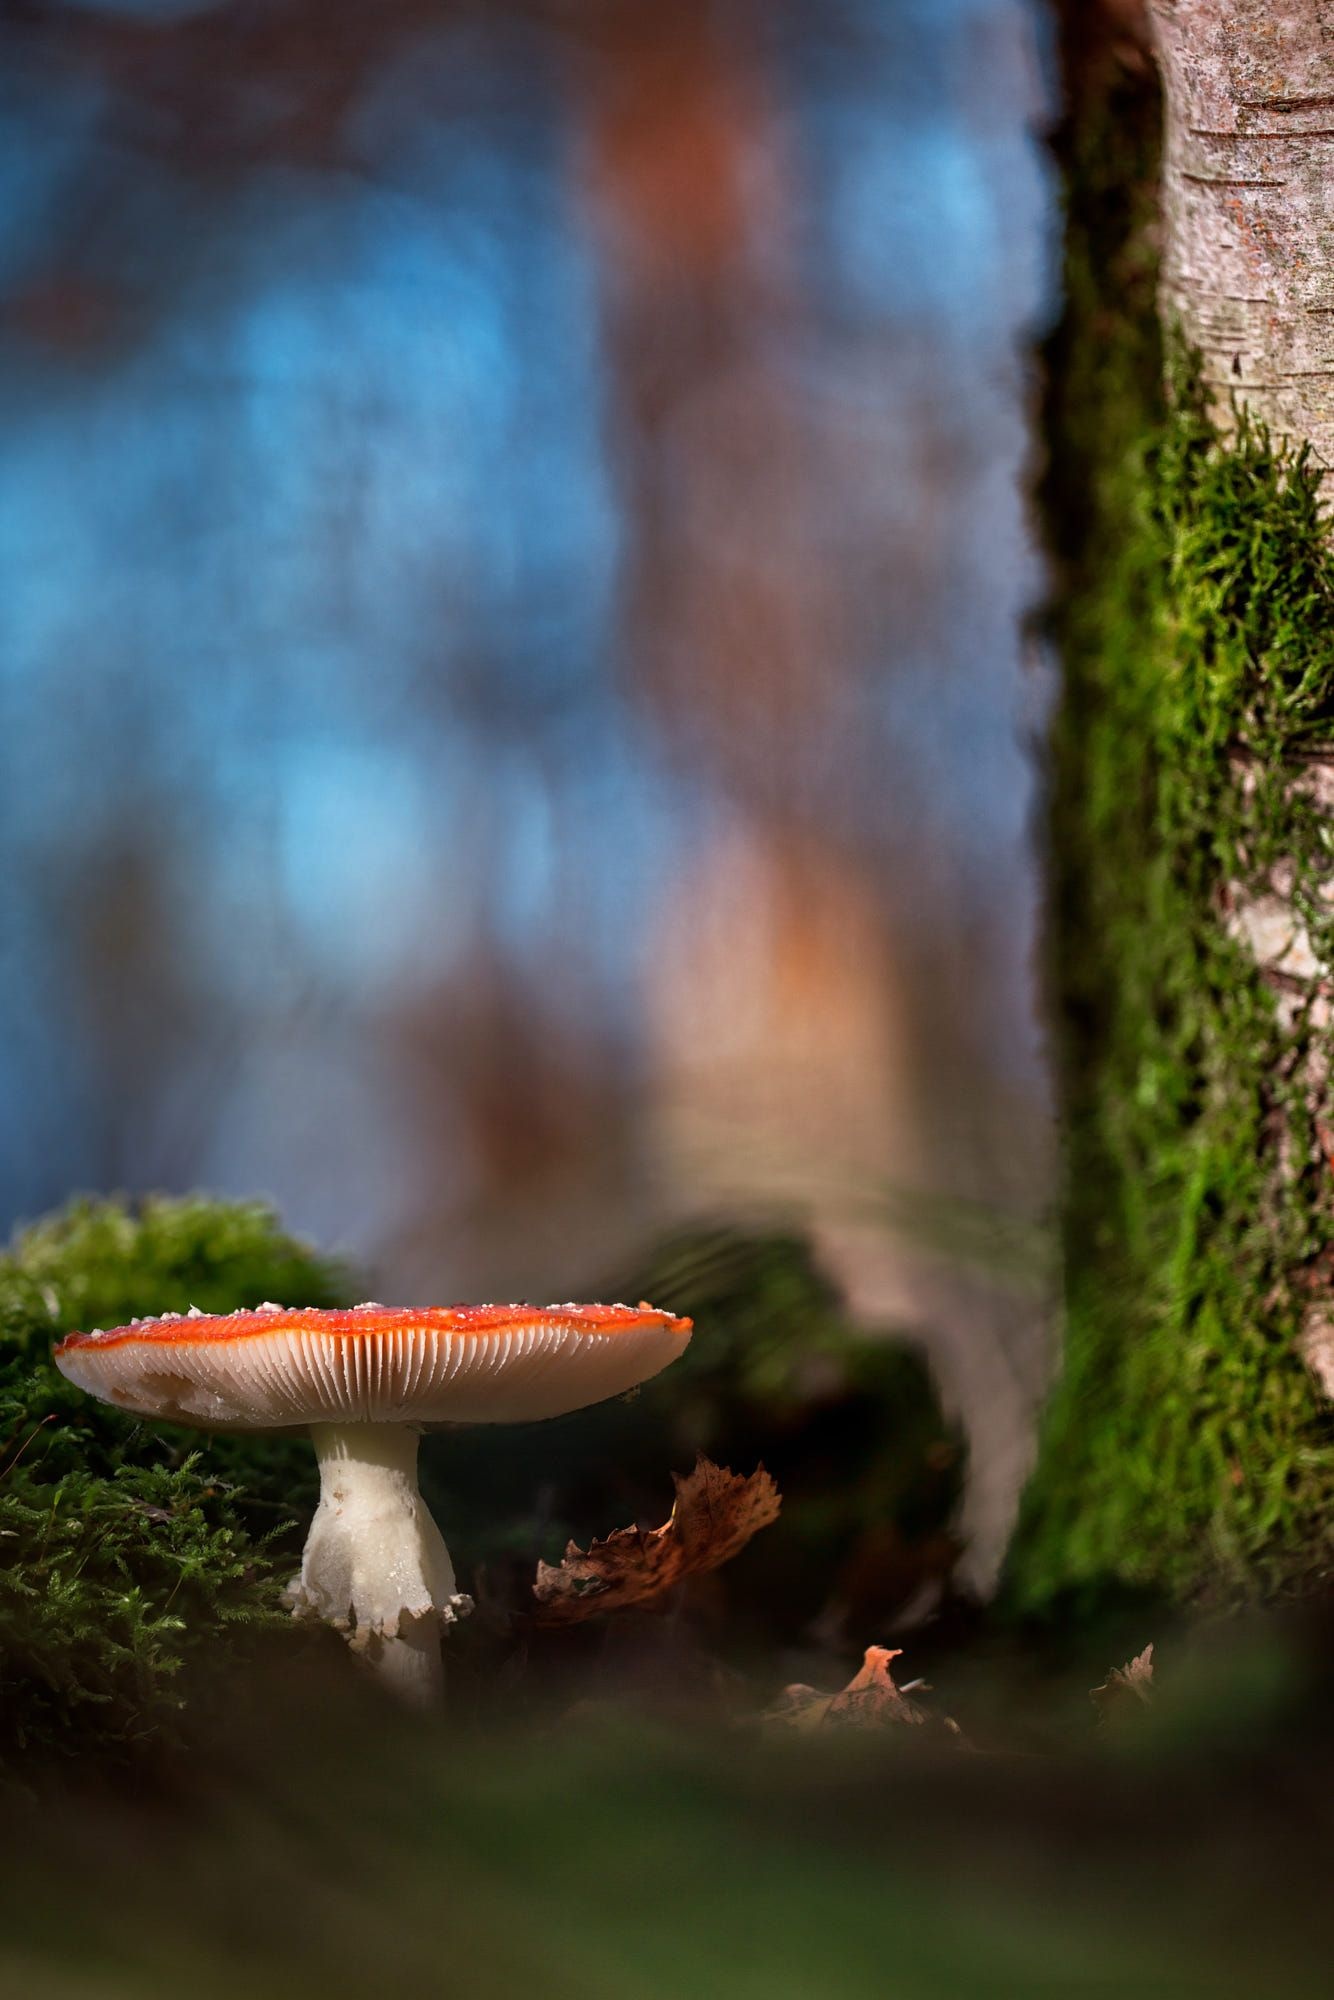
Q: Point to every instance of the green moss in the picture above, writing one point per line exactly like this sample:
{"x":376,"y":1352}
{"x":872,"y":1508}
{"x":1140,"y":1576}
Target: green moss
{"x":1184,"y":1449}
{"x":123,"y":1550}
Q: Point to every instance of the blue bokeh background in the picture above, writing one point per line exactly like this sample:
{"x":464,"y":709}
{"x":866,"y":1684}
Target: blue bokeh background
{"x":514,"y":706}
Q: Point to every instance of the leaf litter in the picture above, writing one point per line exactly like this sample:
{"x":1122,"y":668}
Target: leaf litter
{"x":716,"y":1512}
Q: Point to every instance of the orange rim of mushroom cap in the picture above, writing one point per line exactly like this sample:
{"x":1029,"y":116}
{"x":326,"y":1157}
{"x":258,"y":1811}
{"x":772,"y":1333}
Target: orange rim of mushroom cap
{"x":282,"y":1367}
{"x":373,"y":1321}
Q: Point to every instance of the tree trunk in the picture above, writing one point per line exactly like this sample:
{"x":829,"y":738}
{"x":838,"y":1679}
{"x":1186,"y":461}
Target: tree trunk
{"x":1191,"y":929}
{"x":1248,"y":203}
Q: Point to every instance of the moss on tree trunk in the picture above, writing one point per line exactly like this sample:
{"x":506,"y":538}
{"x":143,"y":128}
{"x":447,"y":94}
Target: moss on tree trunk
{"x":1185,"y":1448}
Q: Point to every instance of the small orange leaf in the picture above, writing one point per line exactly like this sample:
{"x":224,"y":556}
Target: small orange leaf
{"x":715,"y":1515}
{"x":869,"y":1699}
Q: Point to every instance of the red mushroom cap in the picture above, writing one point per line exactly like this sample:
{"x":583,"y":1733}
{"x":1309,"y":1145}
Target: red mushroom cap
{"x":280,"y":1366}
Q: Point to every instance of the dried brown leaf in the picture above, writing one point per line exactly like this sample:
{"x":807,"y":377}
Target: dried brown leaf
{"x":715,"y":1514}
{"x":1126,"y":1687}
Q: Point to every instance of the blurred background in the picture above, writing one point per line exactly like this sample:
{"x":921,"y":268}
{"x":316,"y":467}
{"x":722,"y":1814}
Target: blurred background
{"x":516,"y":724}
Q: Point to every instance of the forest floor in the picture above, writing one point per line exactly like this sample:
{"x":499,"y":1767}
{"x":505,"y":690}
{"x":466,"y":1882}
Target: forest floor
{"x":641,"y":1831}
{"x":197,"y":1796}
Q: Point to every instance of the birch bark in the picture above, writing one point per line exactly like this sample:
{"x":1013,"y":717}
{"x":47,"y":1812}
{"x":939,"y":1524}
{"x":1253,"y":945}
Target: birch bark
{"x":1248,"y":272}
{"x":1248,"y":203}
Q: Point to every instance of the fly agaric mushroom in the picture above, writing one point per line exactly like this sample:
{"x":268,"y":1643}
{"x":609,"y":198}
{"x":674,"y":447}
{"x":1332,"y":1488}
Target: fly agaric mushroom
{"x":366,"y":1382}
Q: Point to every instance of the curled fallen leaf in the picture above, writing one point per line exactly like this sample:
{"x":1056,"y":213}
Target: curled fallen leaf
{"x":870,"y":1699}
{"x":1125,"y":1687}
{"x":715,"y":1514}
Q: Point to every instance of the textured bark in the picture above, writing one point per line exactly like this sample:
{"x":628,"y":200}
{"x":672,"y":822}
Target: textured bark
{"x":1248,"y":271}
{"x":1248,"y":203}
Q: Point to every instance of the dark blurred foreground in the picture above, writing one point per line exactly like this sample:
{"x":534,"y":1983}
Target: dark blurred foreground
{"x":314,"y":1842}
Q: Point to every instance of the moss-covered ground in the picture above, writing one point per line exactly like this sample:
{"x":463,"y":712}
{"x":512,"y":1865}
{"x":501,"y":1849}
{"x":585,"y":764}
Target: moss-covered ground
{"x":127,"y":1553}
{"x":1185,"y":1450}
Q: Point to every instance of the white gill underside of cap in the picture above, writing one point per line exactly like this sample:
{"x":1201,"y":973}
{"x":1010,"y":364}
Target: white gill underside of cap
{"x":410,"y":1374}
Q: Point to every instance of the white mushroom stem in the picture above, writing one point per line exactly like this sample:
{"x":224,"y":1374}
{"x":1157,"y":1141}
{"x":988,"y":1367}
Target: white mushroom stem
{"x":375,"y":1564}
